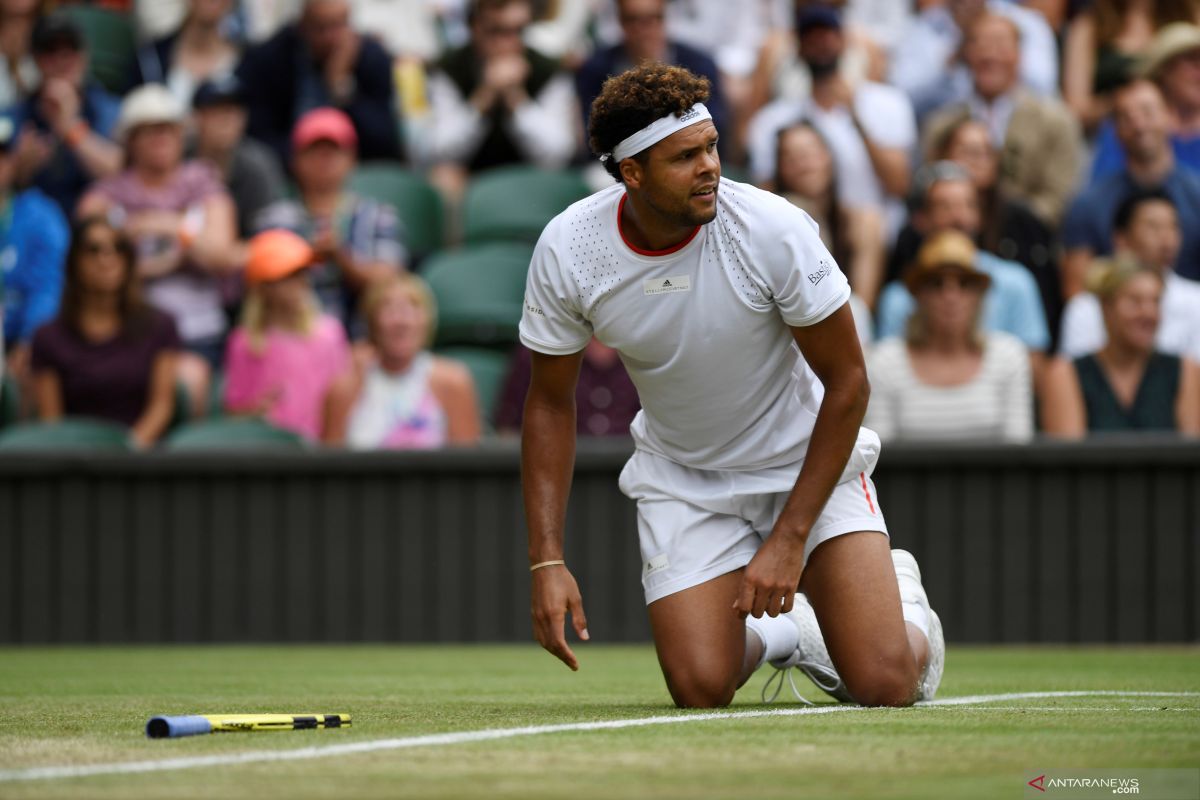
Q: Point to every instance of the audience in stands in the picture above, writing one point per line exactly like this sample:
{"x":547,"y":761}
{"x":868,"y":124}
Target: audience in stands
{"x":33,"y":243}
{"x":1173,"y":62}
{"x":356,"y":239}
{"x":316,"y":62}
{"x":107,"y":355}
{"x":496,"y":101}
{"x":644,"y":38}
{"x":286,"y":354}
{"x":946,"y":378}
{"x":946,"y":199}
{"x":1104,"y":44}
{"x":870,"y":126}
{"x":183,"y":226}
{"x":1127,"y":384}
{"x":928,"y":60}
{"x":67,"y":124}
{"x":418,"y":38}
{"x":247,"y":167}
{"x":400,"y":396}
{"x":606,"y":401}
{"x":199,"y":50}
{"x":806,"y":175}
{"x":18,"y":72}
{"x":1038,"y":139}
{"x":1143,"y":127}
{"x":1146,"y":232}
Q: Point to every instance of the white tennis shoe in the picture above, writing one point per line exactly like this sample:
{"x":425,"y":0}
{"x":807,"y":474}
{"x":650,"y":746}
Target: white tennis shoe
{"x":810,"y":657}
{"x":908,"y":576}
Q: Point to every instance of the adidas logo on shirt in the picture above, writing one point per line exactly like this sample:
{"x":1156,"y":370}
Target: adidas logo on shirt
{"x":675,"y":283}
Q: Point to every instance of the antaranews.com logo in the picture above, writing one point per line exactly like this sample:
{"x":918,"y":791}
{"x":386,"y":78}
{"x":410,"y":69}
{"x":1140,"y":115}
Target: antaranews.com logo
{"x":1151,"y":784}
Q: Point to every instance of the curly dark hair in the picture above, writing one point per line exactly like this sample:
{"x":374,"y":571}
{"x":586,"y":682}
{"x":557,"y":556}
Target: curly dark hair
{"x":632,"y":100}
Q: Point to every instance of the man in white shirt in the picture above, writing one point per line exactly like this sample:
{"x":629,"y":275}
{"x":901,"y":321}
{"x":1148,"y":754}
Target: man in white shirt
{"x":751,"y":473}
{"x":1146,"y":229}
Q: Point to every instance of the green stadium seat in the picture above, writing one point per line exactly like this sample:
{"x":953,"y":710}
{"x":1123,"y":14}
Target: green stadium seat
{"x":418,"y":204}
{"x":112,"y":44}
{"x":515,"y":203}
{"x":480,"y":292}
{"x":488,"y":367}
{"x":233,"y":433}
{"x":67,"y":434}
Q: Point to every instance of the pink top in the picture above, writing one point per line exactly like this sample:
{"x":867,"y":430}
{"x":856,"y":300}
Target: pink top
{"x":296,"y":371}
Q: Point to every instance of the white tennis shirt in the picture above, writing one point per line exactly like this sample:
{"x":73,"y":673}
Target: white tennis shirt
{"x":702,"y":329}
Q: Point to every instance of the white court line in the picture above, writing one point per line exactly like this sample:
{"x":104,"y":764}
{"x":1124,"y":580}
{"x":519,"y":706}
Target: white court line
{"x":466,"y":737}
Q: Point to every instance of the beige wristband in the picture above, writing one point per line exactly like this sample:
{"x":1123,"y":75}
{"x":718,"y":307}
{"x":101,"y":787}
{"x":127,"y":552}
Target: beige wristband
{"x":538,"y":566}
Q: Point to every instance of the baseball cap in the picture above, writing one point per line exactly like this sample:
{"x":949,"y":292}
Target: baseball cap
{"x":225,"y":90}
{"x":324,"y":124}
{"x":944,"y":250}
{"x":818,"y":16}
{"x":147,"y":105}
{"x":1171,"y":41}
{"x":275,"y":254}
{"x":56,"y":30}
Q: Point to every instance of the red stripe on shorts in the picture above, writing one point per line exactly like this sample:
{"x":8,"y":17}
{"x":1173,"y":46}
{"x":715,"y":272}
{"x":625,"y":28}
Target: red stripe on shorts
{"x":867,"y":492}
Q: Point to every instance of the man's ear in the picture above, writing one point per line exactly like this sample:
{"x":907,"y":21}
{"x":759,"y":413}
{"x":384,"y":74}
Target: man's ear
{"x":631,"y":172}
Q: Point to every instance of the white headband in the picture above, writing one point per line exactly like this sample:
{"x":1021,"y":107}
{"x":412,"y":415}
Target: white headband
{"x":656,"y":131}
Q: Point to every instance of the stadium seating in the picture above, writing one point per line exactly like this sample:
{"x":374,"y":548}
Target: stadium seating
{"x":10,"y":402}
{"x":515,"y":203}
{"x":488,"y":367}
{"x":111,"y":44}
{"x":233,"y":433}
{"x":418,"y":204}
{"x":66,"y":434}
{"x":480,"y":291}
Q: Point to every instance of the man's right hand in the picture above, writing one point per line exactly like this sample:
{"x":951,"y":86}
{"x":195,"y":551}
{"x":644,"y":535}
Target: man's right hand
{"x":555,"y":592}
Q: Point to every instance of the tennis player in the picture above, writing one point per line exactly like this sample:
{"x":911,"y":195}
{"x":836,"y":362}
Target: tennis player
{"x":751,"y":471}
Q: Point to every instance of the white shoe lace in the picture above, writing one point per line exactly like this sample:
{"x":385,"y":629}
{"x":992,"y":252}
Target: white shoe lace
{"x":825,"y":678}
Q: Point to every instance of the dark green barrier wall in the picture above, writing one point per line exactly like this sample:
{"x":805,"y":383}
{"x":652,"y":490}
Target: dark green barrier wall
{"x":1087,"y":543}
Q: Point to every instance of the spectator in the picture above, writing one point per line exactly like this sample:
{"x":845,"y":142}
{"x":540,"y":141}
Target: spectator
{"x":1127,"y":384}
{"x":644,"y":38}
{"x":495,"y":101}
{"x":198,"y":50}
{"x":1173,"y":62}
{"x":606,"y":401}
{"x":183,"y":226}
{"x":1146,"y":233}
{"x":356,"y":239}
{"x":248,"y":168}
{"x":1103,"y":45}
{"x":946,"y":379}
{"x":807,"y":177}
{"x":927,"y":64}
{"x":1038,"y":139}
{"x":946,"y":199}
{"x":286,"y":355}
{"x":1009,"y":228}
{"x":106,"y":355}
{"x":33,"y":242}
{"x":66,"y":126}
{"x":321,"y":61}
{"x":400,"y":396}
{"x":869,"y":126}
{"x":1143,"y":125}
{"x":18,"y":72}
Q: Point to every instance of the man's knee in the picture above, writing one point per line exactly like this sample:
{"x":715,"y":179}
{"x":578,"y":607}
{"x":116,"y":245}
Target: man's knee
{"x":887,"y":682}
{"x":702,"y":689}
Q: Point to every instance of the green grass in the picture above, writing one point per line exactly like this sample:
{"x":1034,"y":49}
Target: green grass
{"x":89,"y":705}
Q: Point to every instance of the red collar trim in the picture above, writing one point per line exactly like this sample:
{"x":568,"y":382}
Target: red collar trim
{"x":675,"y":248}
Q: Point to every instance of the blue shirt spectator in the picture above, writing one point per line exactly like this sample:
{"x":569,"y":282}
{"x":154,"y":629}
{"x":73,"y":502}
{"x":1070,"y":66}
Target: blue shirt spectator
{"x":33,"y":244}
{"x":1109,"y":158}
{"x":1011,"y":305}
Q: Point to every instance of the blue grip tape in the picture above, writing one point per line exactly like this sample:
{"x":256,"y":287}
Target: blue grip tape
{"x":174,"y":727}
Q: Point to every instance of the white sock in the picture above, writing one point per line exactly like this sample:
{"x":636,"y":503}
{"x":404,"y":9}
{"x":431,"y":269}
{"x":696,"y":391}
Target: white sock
{"x":777,"y":634}
{"x":915,"y":613}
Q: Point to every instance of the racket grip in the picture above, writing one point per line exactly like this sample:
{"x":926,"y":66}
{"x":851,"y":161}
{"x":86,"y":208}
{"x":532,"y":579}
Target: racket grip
{"x":174,"y":727}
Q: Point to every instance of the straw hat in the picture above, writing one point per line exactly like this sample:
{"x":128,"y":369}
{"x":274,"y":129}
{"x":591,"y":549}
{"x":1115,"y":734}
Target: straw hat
{"x":1173,"y":40}
{"x":941,"y":251}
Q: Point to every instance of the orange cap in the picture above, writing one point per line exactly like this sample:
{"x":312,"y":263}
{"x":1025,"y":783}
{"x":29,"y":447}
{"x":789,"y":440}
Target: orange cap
{"x":275,"y":254}
{"x":324,"y":125}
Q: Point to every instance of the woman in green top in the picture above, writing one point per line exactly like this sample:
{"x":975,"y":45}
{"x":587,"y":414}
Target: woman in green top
{"x":1125,"y":385}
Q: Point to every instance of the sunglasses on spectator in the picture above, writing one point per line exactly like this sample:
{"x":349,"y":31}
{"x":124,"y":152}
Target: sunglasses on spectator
{"x":956,"y":279}
{"x":101,"y":248}
{"x":498,"y":31}
{"x":642,"y":19}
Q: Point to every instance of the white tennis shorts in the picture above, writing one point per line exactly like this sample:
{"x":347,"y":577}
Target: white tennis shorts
{"x":695,"y":525}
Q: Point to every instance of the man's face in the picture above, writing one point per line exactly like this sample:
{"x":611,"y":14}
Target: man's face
{"x":680,"y":175}
{"x":62,"y":62}
{"x":951,"y":205}
{"x":324,"y":25}
{"x":1141,"y":120}
{"x":220,"y":127}
{"x":1181,"y":79}
{"x":821,"y":48}
{"x":323,"y":165}
{"x":1153,"y":237}
{"x":993,"y":54}
{"x":642,"y":22}
{"x":498,"y":32}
